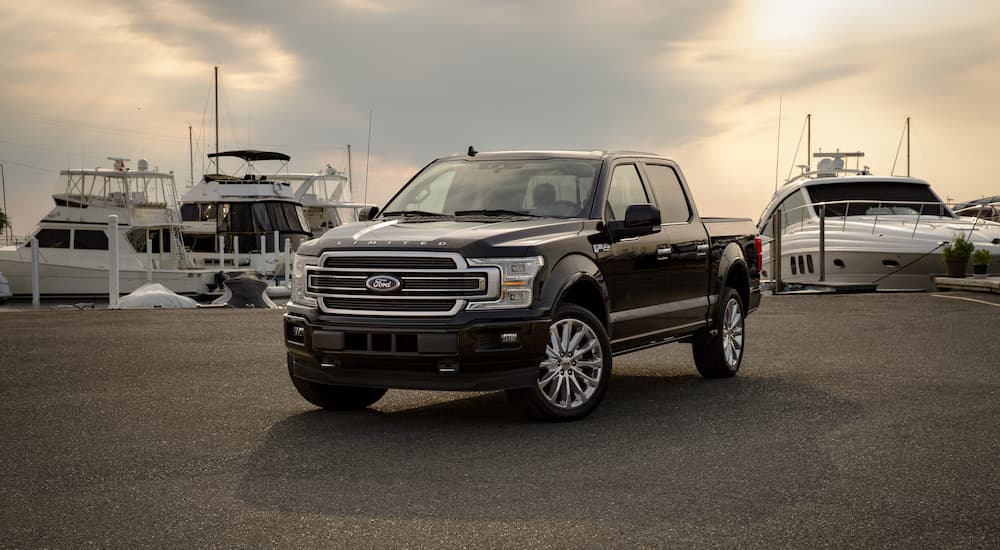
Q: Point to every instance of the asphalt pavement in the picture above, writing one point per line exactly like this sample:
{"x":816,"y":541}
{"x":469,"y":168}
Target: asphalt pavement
{"x":856,"y":421}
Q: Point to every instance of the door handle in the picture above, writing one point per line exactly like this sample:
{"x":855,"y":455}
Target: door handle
{"x":702,"y":249}
{"x":663,"y":253}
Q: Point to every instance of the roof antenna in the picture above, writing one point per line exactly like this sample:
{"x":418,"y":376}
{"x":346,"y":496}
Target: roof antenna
{"x":472,"y":151}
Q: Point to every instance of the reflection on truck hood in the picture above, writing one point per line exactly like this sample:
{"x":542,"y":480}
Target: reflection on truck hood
{"x":473,"y":239}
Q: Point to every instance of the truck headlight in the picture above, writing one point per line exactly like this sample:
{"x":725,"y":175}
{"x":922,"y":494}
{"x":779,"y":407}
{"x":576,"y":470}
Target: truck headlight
{"x":517,"y":278}
{"x":299,"y":280}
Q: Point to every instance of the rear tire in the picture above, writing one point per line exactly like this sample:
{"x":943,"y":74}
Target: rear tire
{"x":336,"y":398}
{"x":573,"y":377}
{"x":719,"y":355}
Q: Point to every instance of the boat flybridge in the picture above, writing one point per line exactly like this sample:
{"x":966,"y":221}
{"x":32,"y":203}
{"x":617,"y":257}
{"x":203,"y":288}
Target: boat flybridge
{"x":840,"y":226}
{"x":73,"y":239}
{"x":251,"y":215}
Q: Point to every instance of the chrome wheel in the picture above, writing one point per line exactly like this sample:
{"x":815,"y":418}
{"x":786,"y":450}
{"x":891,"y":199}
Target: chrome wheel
{"x":571,"y":372}
{"x":732,"y":333}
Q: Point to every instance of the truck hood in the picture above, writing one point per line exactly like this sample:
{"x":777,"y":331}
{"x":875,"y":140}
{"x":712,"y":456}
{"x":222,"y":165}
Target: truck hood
{"x":470,"y":238}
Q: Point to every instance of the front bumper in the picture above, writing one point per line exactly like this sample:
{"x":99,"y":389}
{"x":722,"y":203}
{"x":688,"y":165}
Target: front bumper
{"x":477,"y":356}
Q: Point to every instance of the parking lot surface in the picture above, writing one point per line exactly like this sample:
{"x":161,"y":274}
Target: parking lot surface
{"x":856,"y":421}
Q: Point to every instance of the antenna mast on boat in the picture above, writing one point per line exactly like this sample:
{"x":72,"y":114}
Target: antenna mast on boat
{"x":217,"y":169}
{"x":906,"y":133}
{"x":777,"y":154}
{"x":907,"y":146}
{"x":809,"y":141}
{"x":368,"y":154}
{"x":350,"y":179}
{"x":191,"y":155}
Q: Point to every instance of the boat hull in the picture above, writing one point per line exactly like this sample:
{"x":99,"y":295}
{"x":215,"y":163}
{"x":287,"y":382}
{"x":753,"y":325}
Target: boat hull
{"x":76,"y":281}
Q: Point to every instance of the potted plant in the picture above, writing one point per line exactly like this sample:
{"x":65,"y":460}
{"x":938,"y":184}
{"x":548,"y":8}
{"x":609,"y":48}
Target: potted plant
{"x":980,"y":263}
{"x":956,"y":256}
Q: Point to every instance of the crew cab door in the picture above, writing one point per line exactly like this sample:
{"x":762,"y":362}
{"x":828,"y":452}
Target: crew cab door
{"x":688,"y":255}
{"x":635,"y":276}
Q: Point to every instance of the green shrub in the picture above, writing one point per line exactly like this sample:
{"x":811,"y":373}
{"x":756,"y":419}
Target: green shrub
{"x":959,"y":249}
{"x":981,"y":257}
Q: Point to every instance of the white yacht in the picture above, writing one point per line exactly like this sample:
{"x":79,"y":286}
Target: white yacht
{"x":882,"y":231}
{"x":247,"y":212}
{"x":73,"y":237}
{"x":326,"y":199}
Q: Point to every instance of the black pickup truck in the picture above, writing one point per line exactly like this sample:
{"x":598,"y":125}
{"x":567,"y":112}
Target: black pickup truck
{"x":523,"y":271}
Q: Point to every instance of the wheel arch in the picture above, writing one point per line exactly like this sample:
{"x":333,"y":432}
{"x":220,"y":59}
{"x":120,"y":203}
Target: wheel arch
{"x":577,"y":279}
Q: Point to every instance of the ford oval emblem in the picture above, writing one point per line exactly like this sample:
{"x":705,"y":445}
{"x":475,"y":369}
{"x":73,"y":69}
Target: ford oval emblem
{"x":383,"y":284}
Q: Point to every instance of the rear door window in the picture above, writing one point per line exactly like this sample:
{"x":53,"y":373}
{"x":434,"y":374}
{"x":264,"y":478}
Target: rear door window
{"x":669,"y":193}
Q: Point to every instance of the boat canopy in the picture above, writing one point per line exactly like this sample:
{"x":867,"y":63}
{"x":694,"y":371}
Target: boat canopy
{"x":252,"y":155}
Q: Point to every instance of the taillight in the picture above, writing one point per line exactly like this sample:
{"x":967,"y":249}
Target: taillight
{"x":759,"y":246}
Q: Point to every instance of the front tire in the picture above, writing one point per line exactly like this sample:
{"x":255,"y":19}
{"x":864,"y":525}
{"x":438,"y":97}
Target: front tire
{"x":336,"y":398}
{"x":573,"y":377}
{"x":718,"y":353}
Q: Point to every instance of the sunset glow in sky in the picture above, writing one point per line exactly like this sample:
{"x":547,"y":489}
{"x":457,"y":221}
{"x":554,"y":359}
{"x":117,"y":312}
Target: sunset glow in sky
{"x":699,"y":81}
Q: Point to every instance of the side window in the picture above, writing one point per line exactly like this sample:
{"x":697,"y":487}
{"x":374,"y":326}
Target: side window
{"x":53,"y":238}
{"x":88,"y":239}
{"x":669,"y":193}
{"x":625,"y":190}
{"x":791,"y":213}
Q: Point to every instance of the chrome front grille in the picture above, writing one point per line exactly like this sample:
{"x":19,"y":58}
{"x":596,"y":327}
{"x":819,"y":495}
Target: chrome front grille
{"x":430,"y":283}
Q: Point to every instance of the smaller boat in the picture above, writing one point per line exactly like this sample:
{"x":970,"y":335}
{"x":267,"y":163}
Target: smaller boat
{"x":73,"y":238}
{"x":842,"y":227}
{"x":984,"y":209}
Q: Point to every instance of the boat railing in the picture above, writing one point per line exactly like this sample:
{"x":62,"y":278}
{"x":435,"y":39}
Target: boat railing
{"x":894,"y":212}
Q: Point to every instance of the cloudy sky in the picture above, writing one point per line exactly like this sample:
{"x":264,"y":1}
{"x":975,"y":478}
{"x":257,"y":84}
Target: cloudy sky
{"x":700,"y":81}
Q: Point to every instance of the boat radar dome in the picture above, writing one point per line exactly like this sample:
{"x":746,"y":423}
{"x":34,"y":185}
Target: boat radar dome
{"x":142,"y":165}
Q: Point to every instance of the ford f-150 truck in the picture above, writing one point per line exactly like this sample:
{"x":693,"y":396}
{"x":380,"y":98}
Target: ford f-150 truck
{"x":522,"y":271}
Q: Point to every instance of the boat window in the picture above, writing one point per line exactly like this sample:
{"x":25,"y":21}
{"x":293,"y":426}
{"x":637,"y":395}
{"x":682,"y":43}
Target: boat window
{"x":138,"y":239}
{"x":261,"y":219}
{"x":791,"y":209}
{"x":869,"y":198}
{"x":53,"y":238}
{"x":625,"y":190}
{"x":190,"y":212}
{"x":200,"y":243}
{"x":89,"y":239}
{"x":669,"y":193}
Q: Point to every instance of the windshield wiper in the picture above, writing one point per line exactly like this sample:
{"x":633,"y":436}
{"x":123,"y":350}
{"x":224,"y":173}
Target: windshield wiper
{"x":496,"y":212}
{"x":416,"y":213}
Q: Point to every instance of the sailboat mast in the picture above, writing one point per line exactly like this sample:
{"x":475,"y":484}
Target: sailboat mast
{"x":191,"y":155}
{"x":350,"y":180}
{"x":217,"y":117}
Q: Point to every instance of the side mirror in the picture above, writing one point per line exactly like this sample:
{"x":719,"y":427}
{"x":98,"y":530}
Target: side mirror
{"x":642,"y":216}
{"x":370,"y":213}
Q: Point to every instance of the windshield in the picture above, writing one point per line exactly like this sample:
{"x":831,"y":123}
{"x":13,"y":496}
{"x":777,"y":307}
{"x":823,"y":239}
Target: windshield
{"x":877,"y":198}
{"x":559,"y":188}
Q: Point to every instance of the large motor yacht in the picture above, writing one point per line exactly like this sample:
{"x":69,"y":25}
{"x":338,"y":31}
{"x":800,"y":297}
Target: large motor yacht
{"x":841,"y":226}
{"x":246,"y":212}
{"x":73,"y":239}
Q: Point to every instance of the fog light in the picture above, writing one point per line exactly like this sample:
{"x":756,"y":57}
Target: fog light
{"x":508,"y":338}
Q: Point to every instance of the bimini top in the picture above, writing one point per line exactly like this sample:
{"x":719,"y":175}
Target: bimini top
{"x":251,"y":155}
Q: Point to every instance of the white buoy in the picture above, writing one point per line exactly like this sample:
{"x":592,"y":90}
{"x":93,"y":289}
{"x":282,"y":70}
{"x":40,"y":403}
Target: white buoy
{"x":113,"y":293}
